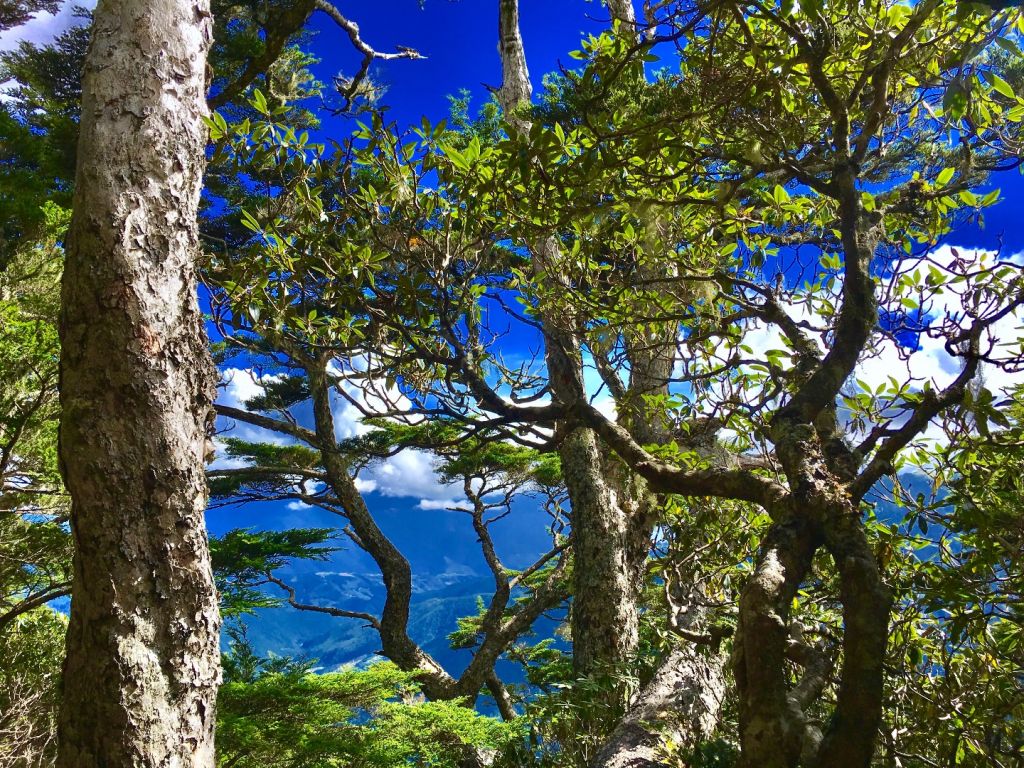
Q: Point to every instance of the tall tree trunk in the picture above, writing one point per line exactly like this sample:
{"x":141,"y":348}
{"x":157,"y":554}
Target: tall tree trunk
{"x":605,"y":591}
{"x":142,"y":663}
{"x":613,"y":512}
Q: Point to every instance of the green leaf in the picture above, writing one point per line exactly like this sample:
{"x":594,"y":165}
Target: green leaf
{"x":1000,"y":85}
{"x":954,"y":102}
{"x":259,"y":102}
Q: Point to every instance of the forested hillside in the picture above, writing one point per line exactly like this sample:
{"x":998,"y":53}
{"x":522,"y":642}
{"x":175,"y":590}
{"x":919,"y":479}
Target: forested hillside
{"x":656,"y":404}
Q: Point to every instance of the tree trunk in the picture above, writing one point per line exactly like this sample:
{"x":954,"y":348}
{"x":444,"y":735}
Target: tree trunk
{"x":142,"y":664}
{"x":682,"y":702}
{"x":605,"y":592}
{"x":612,"y":511}
{"x":606,"y":580}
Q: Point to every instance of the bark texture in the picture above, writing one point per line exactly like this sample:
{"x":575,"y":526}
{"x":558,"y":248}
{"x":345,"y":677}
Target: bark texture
{"x":820,"y":511}
{"x":606,"y":585}
{"x":613,"y":509}
{"x":142,"y":664}
{"x":681,"y":702}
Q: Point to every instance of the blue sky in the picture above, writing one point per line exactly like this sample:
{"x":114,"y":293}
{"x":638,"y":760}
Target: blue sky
{"x":459,"y":40}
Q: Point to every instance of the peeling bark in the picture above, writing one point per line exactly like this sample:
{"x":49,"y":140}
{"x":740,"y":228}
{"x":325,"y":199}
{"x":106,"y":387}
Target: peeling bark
{"x":142,"y":665}
{"x":622,"y":11}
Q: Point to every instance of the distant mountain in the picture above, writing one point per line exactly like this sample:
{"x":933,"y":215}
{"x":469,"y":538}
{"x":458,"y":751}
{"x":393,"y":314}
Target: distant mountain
{"x":449,"y":574}
{"x":438,"y":601}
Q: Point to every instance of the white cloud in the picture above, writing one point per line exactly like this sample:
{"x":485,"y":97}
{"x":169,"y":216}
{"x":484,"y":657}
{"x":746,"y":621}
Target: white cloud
{"x":931,"y":362}
{"x":360,"y":396}
{"x":605,"y":405}
{"x":410,"y":474}
{"x":241,"y":385}
{"x":222,"y":460}
{"x":44,"y":27}
{"x":365,"y":486}
{"x":438,"y":503}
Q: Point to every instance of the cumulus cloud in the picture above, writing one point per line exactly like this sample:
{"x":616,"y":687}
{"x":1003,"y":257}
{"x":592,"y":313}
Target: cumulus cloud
{"x":912,"y":359}
{"x":409,"y":474}
{"x":360,"y":397}
{"x":364,"y":485}
{"x":930,"y":361}
{"x":222,"y":460}
{"x":238,"y":386}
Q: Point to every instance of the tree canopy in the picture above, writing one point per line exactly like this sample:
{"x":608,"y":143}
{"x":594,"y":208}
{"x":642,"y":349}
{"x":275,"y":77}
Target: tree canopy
{"x":701,"y":301}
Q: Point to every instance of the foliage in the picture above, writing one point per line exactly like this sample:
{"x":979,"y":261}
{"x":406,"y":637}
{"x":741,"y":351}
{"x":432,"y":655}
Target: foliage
{"x":31,"y":654}
{"x":276,"y":712}
{"x":16,"y":12}
{"x":244,"y":559}
{"x":721,"y":204}
{"x":958,"y":640}
{"x":771,"y":202}
{"x":38,"y":134}
{"x":35,"y":547}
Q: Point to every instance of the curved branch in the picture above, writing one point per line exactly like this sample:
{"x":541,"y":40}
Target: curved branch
{"x":739,"y":484}
{"x":370,"y":619}
{"x":278,"y":31}
{"x":258,"y":472}
{"x":350,"y":86}
{"x":31,"y":603}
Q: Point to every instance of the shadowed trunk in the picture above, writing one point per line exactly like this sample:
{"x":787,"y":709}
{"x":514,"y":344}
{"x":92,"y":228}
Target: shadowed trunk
{"x":613,"y":512}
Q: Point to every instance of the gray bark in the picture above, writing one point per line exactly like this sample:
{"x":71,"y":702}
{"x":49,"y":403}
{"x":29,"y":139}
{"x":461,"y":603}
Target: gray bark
{"x":613,"y":510}
{"x":820,"y":511}
{"x":681,"y":702}
{"x":772,"y":723}
{"x":142,"y":665}
{"x":622,"y":11}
